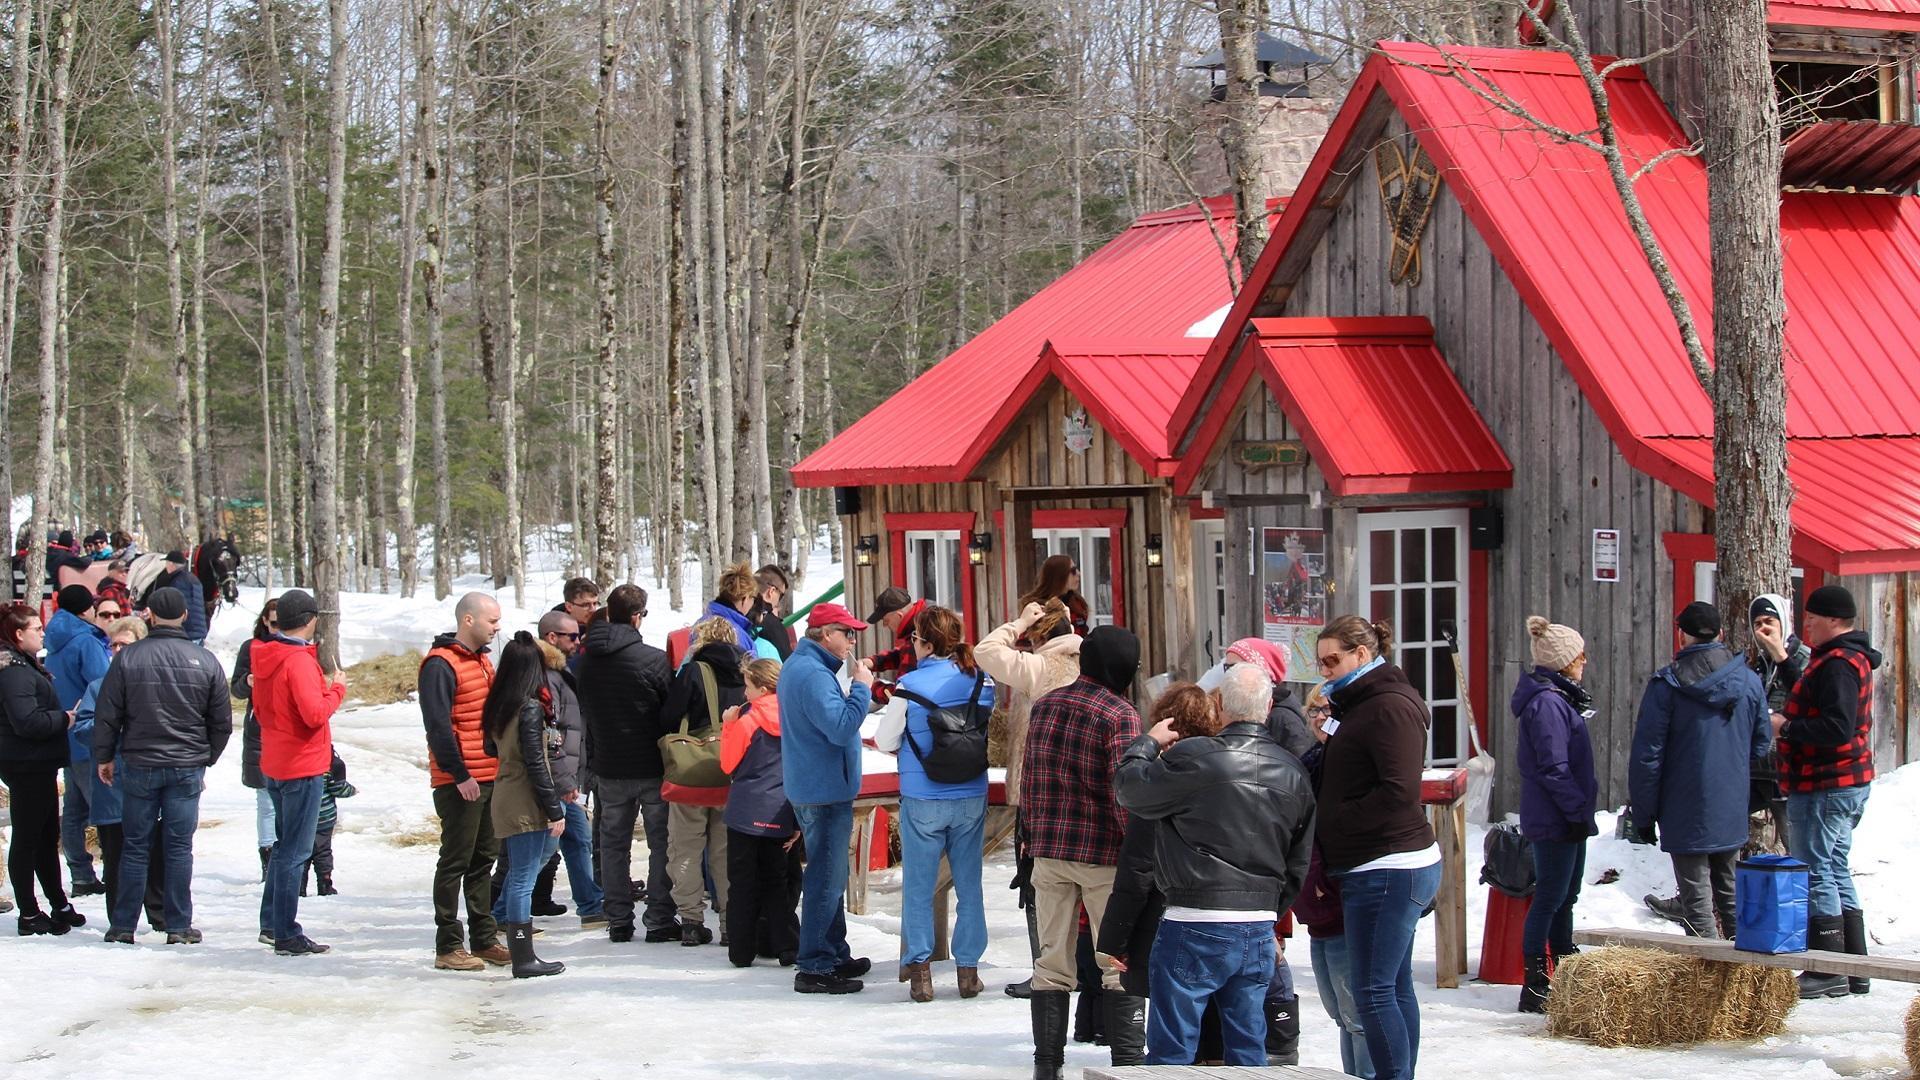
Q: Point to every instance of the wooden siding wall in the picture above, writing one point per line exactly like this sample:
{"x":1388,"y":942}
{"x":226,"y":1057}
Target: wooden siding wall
{"x":1634,"y":28}
{"x":1890,"y":614}
{"x":1034,"y":451}
{"x":1569,"y":479}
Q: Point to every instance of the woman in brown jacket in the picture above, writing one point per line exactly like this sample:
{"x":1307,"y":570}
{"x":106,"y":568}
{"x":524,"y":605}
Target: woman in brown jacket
{"x":527,"y":815}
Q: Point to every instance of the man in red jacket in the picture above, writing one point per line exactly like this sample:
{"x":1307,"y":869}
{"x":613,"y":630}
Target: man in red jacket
{"x":294,"y":702}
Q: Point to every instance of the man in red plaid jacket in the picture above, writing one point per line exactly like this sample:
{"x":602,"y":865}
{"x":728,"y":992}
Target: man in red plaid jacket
{"x":1073,"y":825}
{"x":1825,"y":735}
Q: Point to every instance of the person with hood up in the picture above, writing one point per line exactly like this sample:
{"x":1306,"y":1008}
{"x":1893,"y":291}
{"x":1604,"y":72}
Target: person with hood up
{"x":621,"y":683}
{"x":76,"y":655}
{"x":1824,"y":735}
{"x":1778,"y":656}
{"x":696,"y":828}
{"x":1033,"y":655}
{"x":1557,"y":791}
{"x":1074,"y":826}
{"x":569,"y":772}
{"x":294,"y":702}
{"x":1702,"y":726}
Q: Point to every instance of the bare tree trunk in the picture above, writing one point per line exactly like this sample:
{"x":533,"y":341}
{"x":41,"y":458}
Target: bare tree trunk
{"x":407,"y":443}
{"x":606,"y":397}
{"x":266,"y":385}
{"x":52,"y":254}
{"x":65,"y":503}
{"x":163,"y":28}
{"x":323,"y":478}
{"x":672,"y":530}
{"x":1752,"y":496}
{"x":515,"y":538}
{"x":433,"y":286}
{"x":690,"y":171}
{"x":19,"y":134}
{"x":203,"y":450}
{"x":1240,"y":23}
{"x":365,"y":543}
{"x":293,"y":329}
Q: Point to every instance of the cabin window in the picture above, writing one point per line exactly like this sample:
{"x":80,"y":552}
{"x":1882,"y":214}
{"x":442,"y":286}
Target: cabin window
{"x":1092,"y":550}
{"x":1813,"y":91}
{"x":934,"y":558}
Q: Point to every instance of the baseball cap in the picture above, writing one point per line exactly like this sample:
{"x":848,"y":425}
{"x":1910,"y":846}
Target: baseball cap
{"x":891,"y":599}
{"x":824,"y":615}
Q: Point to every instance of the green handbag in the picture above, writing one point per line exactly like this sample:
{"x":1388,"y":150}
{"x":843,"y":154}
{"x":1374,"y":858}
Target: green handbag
{"x":693,"y":760}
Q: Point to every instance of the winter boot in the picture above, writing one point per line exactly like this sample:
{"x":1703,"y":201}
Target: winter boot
{"x":1825,"y":932}
{"x":1126,"y":1021}
{"x":1667,"y":907}
{"x":969,"y":980}
{"x":1853,"y":930}
{"x":266,"y":855}
{"x":920,"y":981}
{"x":1049,"y":1009}
{"x":1089,"y":1026}
{"x":323,"y":885}
{"x":1533,"y":993}
{"x":543,"y":890}
{"x":1283,"y":1031}
{"x":520,"y":946}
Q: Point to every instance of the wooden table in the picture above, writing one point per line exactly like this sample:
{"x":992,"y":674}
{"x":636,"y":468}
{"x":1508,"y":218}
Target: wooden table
{"x":1829,"y":963}
{"x":1444,"y":792}
{"x":1201,"y":1072}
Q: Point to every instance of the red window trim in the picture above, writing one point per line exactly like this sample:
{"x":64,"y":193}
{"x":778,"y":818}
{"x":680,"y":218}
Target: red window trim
{"x":1113,"y":519}
{"x":960,"y":521}
{"x":1687,"y":550}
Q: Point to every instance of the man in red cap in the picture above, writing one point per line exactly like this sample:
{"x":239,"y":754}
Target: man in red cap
{"x":820,"y":751}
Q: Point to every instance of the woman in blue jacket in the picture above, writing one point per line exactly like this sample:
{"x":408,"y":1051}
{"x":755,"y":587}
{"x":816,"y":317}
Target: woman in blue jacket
{"x":938,"y":818}
{"x":1557,"y":791}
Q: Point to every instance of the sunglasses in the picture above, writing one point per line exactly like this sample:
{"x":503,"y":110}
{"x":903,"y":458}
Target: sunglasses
{"x":107,"y":613}
{"x":1327,"y":663}
{"x":575,"y":636}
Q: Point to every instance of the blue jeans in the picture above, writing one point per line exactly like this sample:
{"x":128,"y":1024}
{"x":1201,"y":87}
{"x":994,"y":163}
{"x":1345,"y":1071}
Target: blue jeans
{"x":1381,"y":909}
{"x":576,"y":847}
{"x":826,"y":829}
{"x":296,"y":814}
{"x":1820,"y":828}
{"x":1333,"y":975}
{"x":1231,"y":963}
{"x":930,"y":828}
{"x":526,"y":853}
{"x":75,"y":809}
{"x":149,"y":800}
{"x":264,"y":831}
{"x":1558,"y":867}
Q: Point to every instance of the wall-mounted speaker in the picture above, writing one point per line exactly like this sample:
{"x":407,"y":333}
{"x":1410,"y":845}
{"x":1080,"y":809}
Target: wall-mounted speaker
{"x":846,"y":501}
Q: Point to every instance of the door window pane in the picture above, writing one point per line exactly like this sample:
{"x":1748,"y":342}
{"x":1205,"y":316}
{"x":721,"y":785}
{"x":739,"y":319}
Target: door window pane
{"x":925,"y":559}
{"x":1414,"y":663}
{"x":1413,"y":616}
{"x":1446,"y":612}
{"x":1446,"y":549}
{"x":1100,"y":574}
{"x":1382,"y":605}
{"x":1447,"y":736}
{"x":1413,"y":555}
{"x":1381,"y":557}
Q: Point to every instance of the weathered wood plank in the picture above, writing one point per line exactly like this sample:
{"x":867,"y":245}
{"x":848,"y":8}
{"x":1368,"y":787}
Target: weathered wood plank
{"x":1832,"y":963}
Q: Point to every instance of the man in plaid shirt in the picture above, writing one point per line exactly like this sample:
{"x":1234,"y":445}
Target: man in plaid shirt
{"x":1073,"y":825}
{"x":1826,"y":764}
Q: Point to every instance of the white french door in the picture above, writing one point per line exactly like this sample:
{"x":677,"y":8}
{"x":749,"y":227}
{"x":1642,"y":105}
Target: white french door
{"x":1413,"y":573}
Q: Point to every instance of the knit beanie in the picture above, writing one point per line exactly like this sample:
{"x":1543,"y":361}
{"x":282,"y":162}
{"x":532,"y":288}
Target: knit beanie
{"x":75,"y":599}
{"x":1554,"y":646}
{"x":1833,"y":602}
{"x":1699,"y":620}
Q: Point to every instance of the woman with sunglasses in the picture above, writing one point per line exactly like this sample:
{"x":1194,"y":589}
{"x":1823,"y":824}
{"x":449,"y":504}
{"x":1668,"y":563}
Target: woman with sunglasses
{"x":1060,"y":580}
{"x":33,"y":747}
{"x":242,"y":687}
{"x":1373,"y":833}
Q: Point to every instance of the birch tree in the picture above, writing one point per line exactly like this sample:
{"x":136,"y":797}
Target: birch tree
{"x":407,"y":441}
{"x":188,"y":531}
{"x":13,"y":216}
{"x":607,"y":375}
{"x":323,"y":480}
{"x":52,"y":254}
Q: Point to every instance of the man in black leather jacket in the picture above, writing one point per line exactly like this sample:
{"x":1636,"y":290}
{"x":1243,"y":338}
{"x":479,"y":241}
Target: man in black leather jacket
{"x":1234,"y":834}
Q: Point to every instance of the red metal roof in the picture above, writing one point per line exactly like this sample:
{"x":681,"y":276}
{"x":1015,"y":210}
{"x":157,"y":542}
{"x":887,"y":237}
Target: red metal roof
{"x":1864,"y":154}
{"x":1378,"y":406}
{"x":1890,"y":15}
{"x":1154,"y":281}
{"x":1554,"y":222}
{"x":1130,"y":387}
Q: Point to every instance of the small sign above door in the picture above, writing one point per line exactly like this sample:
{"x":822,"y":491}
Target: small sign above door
{"x":1079,"y":432}
{"x":1606,"y":554}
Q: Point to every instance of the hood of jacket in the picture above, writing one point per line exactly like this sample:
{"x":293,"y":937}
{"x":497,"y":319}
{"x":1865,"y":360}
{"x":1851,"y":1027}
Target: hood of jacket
{"x":1708,"y":673}
{"x":725,"y":661}
{"x":1381,"y":679}
{"x":765,"y":713}
{"x":1853,"y":641}
{"x":269,"y":657}
{"x":554,"y":659}
{"x":65,"y":628}
{"x":605,"y":638}
{"x":1110,"y":656}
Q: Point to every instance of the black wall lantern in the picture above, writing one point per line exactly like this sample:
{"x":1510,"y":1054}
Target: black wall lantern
{"x":1154,"y":555}
{"x":978,"y":545}
{"x":863,"y":552}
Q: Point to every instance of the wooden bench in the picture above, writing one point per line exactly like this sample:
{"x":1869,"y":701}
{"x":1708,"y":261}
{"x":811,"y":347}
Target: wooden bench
{"x":1830,"y":963}
{"x":1203,"y":1072}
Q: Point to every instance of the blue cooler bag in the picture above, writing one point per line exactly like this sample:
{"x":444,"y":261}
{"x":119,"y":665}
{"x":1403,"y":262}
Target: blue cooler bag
{"x":1771,"y":893}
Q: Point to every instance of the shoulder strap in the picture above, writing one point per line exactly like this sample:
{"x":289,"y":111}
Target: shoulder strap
{"x":906,"y":723}
{"x":713,"y":697}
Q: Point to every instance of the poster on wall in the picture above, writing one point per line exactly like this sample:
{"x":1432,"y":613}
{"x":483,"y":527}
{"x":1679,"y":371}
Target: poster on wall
{"x":1293,"y":594}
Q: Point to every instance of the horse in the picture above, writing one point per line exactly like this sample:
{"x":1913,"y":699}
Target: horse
{"x":216,"y":562}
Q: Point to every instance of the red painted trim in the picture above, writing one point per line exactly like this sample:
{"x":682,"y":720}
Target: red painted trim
{"x":960,"y":521}
{"x":1478,"y":609}
{"x":1207,"y":442}
{"x":1300,"y":330}
{"x":898,"y":542}
{"x":931,"y":519}
{"x":819,"y":478}
{"x":1207,"y":513}
{"x":1113,"y":519}
{"x":1819,"y":16}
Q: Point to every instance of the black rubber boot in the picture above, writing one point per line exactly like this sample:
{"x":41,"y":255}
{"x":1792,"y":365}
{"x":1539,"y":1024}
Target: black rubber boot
{"x":1049,"y":1009}
{"x":543,"y":890}
{"x":1126,"y":1022}
{"x":266,"y":853}
{"x":1853,"y":931}
{"x":1283,"y":1031}
{"x":1533,"y":993}
{"x":520,"y":947}
{"x":1089,"y":1025}
{"x":1828,"y":933}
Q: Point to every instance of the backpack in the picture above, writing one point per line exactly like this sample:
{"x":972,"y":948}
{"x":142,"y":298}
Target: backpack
{"x":694,"y":760}
{"x":1508,"y":861}
{"x":959,"y":752}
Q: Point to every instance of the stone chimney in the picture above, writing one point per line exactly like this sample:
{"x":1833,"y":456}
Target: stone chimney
{"x":1294,"y":117}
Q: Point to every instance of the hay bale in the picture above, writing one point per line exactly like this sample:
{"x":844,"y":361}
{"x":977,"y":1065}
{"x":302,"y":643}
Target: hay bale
{"x":1913,"y":1036}
{"x":384,"y":680}
{"x":1647,"y":997}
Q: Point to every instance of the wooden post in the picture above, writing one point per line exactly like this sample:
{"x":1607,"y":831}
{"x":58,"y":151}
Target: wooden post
{"x":1450,"y":906}
{"x":1017,"y":513}
{"x":1177,"y":573}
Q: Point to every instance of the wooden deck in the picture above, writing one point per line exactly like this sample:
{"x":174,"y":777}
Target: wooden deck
{"x":1832,"y":963}
{"x":1212,"y":1071}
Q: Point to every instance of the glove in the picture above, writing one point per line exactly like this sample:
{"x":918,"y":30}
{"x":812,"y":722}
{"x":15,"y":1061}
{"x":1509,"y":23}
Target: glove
{"x":1646,"y":834}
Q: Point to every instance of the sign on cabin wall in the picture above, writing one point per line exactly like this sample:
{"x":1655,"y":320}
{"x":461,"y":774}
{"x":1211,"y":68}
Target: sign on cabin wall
{"x":1256,"y":457}
{"x":1293,"y":592}
{"x":1079,"y":432}
{"x":1606,"y":554}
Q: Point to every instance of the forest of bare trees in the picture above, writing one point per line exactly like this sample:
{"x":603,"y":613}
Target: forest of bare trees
{"x":393,"y":284}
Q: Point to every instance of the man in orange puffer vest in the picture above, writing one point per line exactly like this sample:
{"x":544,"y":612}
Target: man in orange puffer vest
{"x":454,"y":680}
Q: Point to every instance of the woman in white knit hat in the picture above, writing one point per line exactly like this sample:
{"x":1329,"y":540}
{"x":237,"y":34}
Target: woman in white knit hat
{"x":1557,"y":791}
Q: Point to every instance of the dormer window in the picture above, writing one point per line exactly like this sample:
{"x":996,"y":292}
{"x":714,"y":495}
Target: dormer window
{"x":1834,"y":89}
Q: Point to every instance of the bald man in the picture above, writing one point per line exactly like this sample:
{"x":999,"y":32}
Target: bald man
{"x":454,"y":679}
